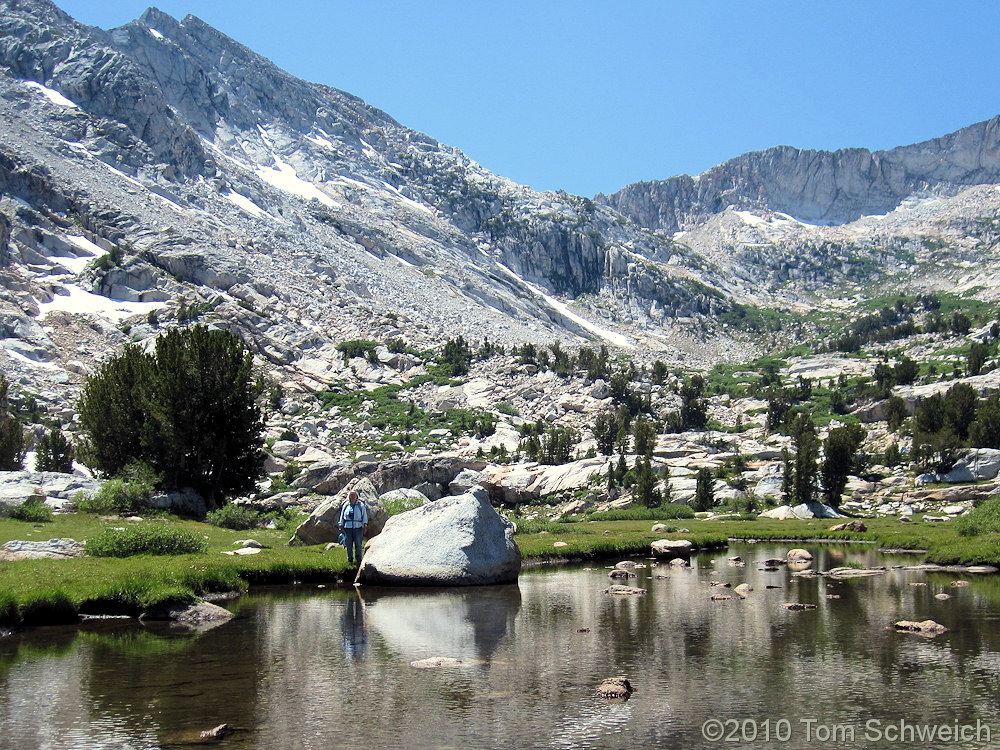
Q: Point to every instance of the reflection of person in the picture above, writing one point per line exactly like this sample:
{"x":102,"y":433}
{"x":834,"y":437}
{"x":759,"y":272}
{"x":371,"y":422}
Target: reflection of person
{"x":354,"y":524}
{"x":352,"y":624}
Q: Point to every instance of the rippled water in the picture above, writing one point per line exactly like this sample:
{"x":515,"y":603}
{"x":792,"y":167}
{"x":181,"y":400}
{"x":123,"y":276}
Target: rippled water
{"x":330,"y":668}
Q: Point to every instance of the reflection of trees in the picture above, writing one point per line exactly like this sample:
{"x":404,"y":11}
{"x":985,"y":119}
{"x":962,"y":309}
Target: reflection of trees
{"x":115,"y":685}
{"x":181,"y":682}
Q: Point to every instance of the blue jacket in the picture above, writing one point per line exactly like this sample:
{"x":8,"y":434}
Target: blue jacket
{"x":353,"y":516}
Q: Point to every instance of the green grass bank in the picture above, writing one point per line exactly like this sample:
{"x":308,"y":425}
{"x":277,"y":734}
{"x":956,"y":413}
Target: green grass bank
{"x":58,"y":591}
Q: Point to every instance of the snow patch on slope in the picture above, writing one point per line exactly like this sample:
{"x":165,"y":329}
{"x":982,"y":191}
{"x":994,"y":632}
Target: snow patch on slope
{"x":52,"y":95}
{"x":80,"y":302}
{"x":615,"y":338}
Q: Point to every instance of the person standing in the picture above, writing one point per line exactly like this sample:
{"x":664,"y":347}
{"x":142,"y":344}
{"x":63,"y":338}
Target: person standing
{"x":354,"y":525}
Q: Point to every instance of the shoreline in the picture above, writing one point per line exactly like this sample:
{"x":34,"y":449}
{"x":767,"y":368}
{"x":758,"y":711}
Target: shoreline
{"x":50,"y":592}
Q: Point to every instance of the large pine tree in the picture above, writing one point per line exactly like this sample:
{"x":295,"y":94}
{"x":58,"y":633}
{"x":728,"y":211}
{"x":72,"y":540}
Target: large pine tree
{"x":189,"y":411}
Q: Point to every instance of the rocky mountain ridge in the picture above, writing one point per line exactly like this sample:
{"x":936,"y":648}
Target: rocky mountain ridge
{"x":817,"y":187}
{"x":197,"y":150}
{"x":161,"y":172}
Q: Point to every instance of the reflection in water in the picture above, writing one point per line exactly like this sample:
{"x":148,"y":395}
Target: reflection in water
{"x":462,"y":623}
{"x":298,"y":667}
{"x":353,"y":630}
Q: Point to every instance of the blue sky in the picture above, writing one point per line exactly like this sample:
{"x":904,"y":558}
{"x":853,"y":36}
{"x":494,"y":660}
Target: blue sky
{"x":590,"y":95}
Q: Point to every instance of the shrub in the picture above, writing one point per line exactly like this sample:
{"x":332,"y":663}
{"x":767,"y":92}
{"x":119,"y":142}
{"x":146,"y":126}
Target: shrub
{"x":289,"y":434}
{"x":32,"y":510}
{"x":53,"y":452}
{"x":356,"y":348}
{"x":401,"y":504}
{"x":189,"y":410}
{"x":538,"y":525}
{"x":704,"y":497}
{"x":11,"y":434}
{"x":456,"y":355}
{"x":144,"y":540}
{"x":235,"y":517}
{"x":291,"y":472}
{"x":119,"y":496}
{"x":506,"y":408}
{"x":984,"y":519}
{"x":243,"y":518}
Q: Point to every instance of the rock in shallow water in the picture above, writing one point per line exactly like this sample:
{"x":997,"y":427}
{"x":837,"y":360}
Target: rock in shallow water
{"x":620,"y":590}
{"x":924,"y":627}
{"x":201,"y":615}
{"x":615,"y":688}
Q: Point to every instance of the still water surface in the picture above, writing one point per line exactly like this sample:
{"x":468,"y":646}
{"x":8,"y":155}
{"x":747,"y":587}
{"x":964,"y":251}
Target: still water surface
{"x":331,"y":667}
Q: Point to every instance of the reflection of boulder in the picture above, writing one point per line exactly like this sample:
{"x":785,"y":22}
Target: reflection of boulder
{"x":199,"y":616}
{"x":457,"y":541}
{"x":465,"y":623}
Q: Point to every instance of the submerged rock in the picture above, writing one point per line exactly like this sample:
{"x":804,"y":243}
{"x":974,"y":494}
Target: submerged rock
{"x":619,"y":590}
{"x":456,"y":541}
{"x":436,"y":662}
{"x":854,"y":572}
{"x":924,"y":627}
{"x":201,"y":615}
{"x":216,"y":733}
{"x":615,"y":688}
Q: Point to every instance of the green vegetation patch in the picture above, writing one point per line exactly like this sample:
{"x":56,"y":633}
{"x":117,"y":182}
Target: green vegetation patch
{"x":32,"y":510}
{"x":154,"y":539}
{"x":392,"y":414}
{"x":984,"y":519}
{"x":243,"y":518}
{"x":667,"y":512}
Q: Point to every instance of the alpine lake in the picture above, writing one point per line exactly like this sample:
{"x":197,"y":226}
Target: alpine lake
{"x":518,"y":666}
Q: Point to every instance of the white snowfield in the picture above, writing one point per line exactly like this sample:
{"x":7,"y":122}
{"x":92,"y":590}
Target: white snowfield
{"x":284,"y":177}
{"x":243,"y":202}
{"x":80,"y":302}
{"x":52,"y":95}
{"x":615,"y":338}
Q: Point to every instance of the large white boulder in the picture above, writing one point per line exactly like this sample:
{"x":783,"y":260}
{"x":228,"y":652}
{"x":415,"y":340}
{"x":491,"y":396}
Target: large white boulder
{"x":58,"y":488}
{"x":977,"y":464}
{"x":803,"y":510}
{"x":671,"y":548}
{"x":456,"y":541}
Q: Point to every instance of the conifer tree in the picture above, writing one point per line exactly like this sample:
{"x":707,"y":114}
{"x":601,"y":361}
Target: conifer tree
{"x":11,"y":433}
{"x":704,"y":493}
{"x":53,"y":452}
{"x":189,"y":411}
